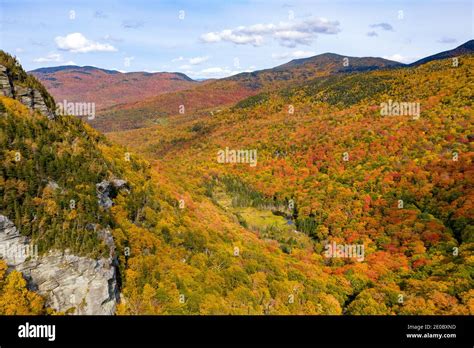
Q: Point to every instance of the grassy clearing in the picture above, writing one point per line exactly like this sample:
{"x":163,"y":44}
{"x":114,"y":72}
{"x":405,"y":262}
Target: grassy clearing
{"x":264,"y":222}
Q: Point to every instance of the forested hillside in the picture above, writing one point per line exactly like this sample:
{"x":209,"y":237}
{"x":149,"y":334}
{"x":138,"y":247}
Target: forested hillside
{"x":339,"y":169}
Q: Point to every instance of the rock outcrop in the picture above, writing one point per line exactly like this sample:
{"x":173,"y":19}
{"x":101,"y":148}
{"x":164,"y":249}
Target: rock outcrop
{"x":13,"y":246}
{"x":107,"y":190}
{"x":30,"y":97}
{"x":6,"y":87}
{"x":70,"y":283}
{"x":33,"y":100}
{"x":73,"y":284}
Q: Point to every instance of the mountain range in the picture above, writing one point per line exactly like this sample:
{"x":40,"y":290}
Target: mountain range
{"x":135,"y":100}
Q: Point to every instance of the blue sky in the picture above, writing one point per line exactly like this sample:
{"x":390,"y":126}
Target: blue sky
{"x":205,"y":39}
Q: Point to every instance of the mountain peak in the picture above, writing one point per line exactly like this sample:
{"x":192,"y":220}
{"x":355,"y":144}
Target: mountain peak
{"x":337,"y":63}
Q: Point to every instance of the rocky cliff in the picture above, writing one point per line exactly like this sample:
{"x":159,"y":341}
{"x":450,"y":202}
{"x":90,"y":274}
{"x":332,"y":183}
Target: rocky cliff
{"x":29,"y":96}
{"x":69,"y":283}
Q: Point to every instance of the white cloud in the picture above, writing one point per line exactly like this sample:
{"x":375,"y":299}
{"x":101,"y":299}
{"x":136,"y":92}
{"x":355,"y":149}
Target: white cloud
{"x":291,"y":38}
{"x":198,"y":60}
{"x":78,"y":43}
{"x":403,"y":59}
{"x":211,"y":37}
{"x":179,"y":59}
{"x":52,"y":57}
{"x":293,"y":55}
{"x":396,"y":57}
{"x":288,"y":34}
{"x":215,"y":72}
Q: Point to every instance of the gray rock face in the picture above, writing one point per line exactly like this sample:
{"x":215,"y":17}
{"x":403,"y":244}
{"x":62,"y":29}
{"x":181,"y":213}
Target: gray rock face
{"x":33,"y":100}
{"x":108,"y":239}
{"x":13,"y":246}
{"x":5,"y":86}
{"x":107,"y":190}
{"x":40,"y":105}
{"x":72,"y":284}
{"x":27,"y":96}
{"x":24,"y":95}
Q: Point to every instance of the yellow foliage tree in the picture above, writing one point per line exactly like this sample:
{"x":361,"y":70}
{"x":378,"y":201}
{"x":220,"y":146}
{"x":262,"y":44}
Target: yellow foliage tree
{"x":15,"y":298}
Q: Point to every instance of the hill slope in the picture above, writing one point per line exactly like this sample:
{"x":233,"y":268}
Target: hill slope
{"x":399,"y":184}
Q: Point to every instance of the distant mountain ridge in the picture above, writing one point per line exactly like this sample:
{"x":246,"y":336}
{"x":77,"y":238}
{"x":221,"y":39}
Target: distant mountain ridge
{"x":107,"y":88}
{"x":49,"y":70}
{"x":89,"y":68}
{"x":134,"y":104}
{"x":368,"y":63}
{"x":303,"y":69}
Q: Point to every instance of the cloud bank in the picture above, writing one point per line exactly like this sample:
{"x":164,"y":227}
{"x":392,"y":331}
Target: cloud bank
{"x":78,"y":43}
{"x":288,"y":34}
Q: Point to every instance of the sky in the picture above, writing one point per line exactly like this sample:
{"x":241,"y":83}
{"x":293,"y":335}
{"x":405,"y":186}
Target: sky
{"x":217,"y":38}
